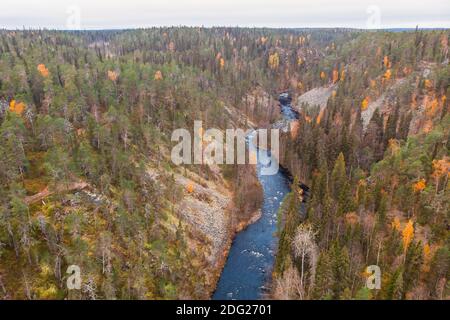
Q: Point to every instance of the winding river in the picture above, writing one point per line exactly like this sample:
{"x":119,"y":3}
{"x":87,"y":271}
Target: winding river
{"x":252,"y":255}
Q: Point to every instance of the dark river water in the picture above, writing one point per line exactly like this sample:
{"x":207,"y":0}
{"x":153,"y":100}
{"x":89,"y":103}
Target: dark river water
{"x":252,"y":255}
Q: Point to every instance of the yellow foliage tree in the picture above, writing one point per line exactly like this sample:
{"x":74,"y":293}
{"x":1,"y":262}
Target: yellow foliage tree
{"x":426,"y":258}
{"x":43,"y":70}
{"x":432,"y":107}
{"x":365,"y":104}
{"x":426,"y":251}
{"x":12,"y":105}
{"x":158,"y":75}
{"x":388,"y":74}
{"x":299,"y":61}
{"x":190,"y":187}
{"x":112,"y":75}
{"x":16,"y":107}
{"x":274,"y":60}
{"x":222,"y":63}
{"x":323,"y":75}
{"x":396,"y":224}
{"x":441,"y":168}
{"x":407,"y":234}
{"x":419,"y":185}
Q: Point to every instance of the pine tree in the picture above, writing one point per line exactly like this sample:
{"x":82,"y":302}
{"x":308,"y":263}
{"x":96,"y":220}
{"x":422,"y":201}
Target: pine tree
{"x":338,"y":176}
{"x":413,"y":261}
{"x":394,"y":288}
{"x":324,"y":278}
{"x":341,"y":268}
{"x":440,"y":264}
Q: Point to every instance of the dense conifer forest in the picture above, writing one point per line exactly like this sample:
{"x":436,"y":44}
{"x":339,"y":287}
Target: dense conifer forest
{"x":86,"y":177}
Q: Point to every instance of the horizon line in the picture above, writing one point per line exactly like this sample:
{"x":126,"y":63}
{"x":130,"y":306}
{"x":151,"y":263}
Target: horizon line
{"x":24,"y":28}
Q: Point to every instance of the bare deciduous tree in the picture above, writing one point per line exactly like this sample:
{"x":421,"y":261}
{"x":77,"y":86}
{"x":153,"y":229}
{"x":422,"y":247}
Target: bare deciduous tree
{"x":288,"y":286}
{"x":304,"y":248}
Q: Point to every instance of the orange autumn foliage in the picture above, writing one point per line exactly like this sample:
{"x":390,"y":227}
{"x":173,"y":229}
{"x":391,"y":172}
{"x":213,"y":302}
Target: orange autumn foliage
{"x":43,"y":70}
{"x":419,"y":185}
{"x":274,"y":60}
{"x":323,"y":75}
{"x":432,"y":107}
{"x":441,"y":168}
{"x":388,"y":74}
{"x":222,"y":63}
{"x":365,"y":104}
{"x":158,"y":75}
{"x":190,"y":187}
{"x":16,"y":107}
{"x":427,"y":252}
{"x":426,"y":257}
{"x":407,"y":234}
{"x":342,"y":75}
{"x":112,"y":75}
{"x":320,"y":116}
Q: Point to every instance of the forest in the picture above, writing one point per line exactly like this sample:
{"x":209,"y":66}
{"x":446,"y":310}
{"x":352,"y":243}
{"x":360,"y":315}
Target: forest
{"x":86,"y":179}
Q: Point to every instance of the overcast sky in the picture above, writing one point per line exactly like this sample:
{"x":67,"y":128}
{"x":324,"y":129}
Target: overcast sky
{"x":109,"y":14}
